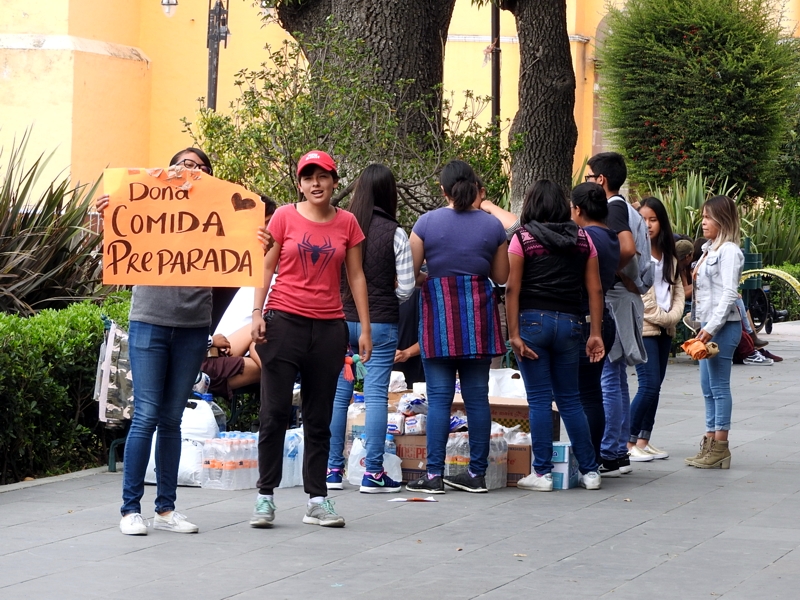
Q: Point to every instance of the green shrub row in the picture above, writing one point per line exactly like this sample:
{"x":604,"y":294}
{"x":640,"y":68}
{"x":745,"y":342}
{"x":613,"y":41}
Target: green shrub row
{"x":48,"y":362}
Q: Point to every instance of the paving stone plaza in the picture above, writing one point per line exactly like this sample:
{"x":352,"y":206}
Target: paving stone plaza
{"x":665,"y":531}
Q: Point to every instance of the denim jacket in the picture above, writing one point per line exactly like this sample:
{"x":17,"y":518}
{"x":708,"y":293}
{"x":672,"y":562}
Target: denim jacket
{"x":716,"y":286}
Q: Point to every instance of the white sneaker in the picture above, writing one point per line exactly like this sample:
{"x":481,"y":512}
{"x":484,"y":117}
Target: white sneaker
{"x":536,"y":483}
{"x":591,"y":480}
{"x":656,"y":452}
{"x":636,"y":454}
{"x":174,"y":521}
{"x":756,"y":359}
{"x":133,"y":524}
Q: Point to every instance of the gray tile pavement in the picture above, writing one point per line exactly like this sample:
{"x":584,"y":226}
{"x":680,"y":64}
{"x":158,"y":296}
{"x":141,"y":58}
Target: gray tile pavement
{"x":665,"y":531}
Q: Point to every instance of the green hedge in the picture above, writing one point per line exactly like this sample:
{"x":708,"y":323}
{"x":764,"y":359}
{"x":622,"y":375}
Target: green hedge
{"x":48,"y":362}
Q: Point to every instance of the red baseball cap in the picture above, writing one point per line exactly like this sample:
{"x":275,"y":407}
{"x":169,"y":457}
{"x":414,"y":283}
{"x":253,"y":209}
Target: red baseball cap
{"x":319,"y":158}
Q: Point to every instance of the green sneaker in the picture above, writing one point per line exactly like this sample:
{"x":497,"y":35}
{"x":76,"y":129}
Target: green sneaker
{"x":263,"y":514}
{"x":323,"y":514}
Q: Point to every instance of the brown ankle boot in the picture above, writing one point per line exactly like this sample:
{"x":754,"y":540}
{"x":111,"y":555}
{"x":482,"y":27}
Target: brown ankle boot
{"x":704,"y":444}
{"x":717,"y":457}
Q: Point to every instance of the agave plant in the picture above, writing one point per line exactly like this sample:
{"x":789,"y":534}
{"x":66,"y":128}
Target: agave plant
{"x":684,"y":200}
{"x":48,"y":254}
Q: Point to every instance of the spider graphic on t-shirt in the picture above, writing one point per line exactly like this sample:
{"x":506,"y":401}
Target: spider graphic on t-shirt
{"x":314,"y":252}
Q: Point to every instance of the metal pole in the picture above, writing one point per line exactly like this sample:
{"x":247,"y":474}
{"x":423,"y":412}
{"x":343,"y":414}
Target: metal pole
{"x":495,"y":64}
{"x":217,"y":32}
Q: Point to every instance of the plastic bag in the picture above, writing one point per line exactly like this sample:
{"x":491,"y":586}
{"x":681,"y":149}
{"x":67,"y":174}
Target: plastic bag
{"x":506,"y":383}
{"x":397,"y":382}
{"x":198,"y":422}
{"x":411,"y":404}
{"x":356,"y":464}
{"x":293,"y":449}
{"x":190,"y":468}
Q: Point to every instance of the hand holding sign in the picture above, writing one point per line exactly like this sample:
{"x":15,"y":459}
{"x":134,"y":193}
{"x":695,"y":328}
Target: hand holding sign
{"x":179,"y":227}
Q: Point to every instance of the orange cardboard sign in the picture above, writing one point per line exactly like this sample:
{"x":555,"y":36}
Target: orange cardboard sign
{"x":180,"y":227}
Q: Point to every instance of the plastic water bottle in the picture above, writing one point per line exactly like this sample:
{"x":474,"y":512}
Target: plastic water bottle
{"x":216,"y":410}
{"x":209,"y":459}
{"x":390,"y":447}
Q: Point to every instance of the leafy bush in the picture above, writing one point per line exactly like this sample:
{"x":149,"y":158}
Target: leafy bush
{"x":48,"y":421}
{"x":48,"y":257}
{"x":692,"y":85}
{"x":291,"y":106}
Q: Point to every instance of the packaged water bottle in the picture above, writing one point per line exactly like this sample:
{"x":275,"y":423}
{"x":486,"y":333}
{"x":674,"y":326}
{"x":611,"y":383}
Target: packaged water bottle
{"x":291,"y":450}
{"x":390,"y":447}
{"x":208,"y":464}
{"x":228,"y":464}
{"x":219,"y":414}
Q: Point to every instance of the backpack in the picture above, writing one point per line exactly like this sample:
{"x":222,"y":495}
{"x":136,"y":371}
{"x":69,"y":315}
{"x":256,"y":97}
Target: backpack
{"x":640,"y":269}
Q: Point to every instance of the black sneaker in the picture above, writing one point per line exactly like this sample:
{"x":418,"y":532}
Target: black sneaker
{"x":609,"y":468}
{"x":428,"y":486}
{"x":624,"y":463}
{"x":468,"y":483}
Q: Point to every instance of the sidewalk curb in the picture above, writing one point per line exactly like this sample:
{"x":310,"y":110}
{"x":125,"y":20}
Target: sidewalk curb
{"x":22,"y":485}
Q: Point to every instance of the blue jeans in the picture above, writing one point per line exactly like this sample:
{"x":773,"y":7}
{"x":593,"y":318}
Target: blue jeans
{"x":617,"y":404}
{"x":440,"y":375}
{"x":589,"y":375}
{"x":164,"y":364}
{"x":651,"y":375}
{"x":715,"y":377}
{"x":557,"y":340}
{"x":376,"y":397}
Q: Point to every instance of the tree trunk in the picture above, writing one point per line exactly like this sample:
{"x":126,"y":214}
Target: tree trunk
{"x":546,"y":97}
{"x":406,"y":37}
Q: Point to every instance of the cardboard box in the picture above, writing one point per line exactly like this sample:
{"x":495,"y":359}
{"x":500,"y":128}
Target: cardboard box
{"x":565,"y":467}
{"x":519,"y":463}
{"x":413,"y":453}
{"x":512,"y":411}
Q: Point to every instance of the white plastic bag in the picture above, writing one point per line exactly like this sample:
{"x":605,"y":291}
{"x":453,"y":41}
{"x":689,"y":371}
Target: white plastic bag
{"x":356,"y":464}
{"x":190,"y":468}
{"x":198,"y":422}
{"x":393,"y":467}
{"x":506,"y":383}
{"x":397,"y":382}
{"x":293,"y":450}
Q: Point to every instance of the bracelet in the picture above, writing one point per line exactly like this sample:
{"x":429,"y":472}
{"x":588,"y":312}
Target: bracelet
{"x":254,"y":310}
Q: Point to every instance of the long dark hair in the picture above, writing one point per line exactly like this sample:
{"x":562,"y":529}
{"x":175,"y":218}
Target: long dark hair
{"x":460,"y":184}
{"x":545,"y":202}
{"x":375,"y":188}
{"x":200,"y":154}
{"x":665,"y":239}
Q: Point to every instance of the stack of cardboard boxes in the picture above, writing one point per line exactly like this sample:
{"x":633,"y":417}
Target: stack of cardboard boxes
{"x":412,"y":449}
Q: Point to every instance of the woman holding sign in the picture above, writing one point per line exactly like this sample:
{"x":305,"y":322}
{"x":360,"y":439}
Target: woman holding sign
{"x":168,"y":338}
{"x":303,"y":330}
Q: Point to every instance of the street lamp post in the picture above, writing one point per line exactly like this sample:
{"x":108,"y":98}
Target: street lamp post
{"x":217,"y":32}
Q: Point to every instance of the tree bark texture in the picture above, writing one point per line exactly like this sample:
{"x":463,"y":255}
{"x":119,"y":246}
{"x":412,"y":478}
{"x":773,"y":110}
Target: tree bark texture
{"x":407,"y":38}
{"x":546,"y":97}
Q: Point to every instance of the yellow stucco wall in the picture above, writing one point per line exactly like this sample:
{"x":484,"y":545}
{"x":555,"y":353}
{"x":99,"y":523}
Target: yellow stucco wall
{"x":106,"y":82}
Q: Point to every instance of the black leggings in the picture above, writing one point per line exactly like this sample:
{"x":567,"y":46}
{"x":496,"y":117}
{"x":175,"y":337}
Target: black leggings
{"x":315,"y":348}
{"x":589,"y":383}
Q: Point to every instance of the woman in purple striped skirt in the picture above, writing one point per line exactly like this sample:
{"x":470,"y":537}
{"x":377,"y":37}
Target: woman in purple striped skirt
{"x":460,"y":326}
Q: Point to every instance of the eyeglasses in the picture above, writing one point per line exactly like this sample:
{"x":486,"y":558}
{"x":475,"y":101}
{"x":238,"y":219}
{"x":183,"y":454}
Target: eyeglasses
{"x":589,"y":177}
{"x":190,"y":164}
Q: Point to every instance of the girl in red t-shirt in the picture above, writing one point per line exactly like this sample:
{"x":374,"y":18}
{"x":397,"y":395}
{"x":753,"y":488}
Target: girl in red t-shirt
{"x":303,"y":331}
